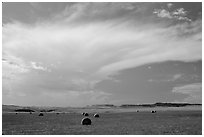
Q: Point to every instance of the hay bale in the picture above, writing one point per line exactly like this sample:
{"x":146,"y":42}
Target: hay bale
{"x":86,"y":121}
{"x":41,"y":114}
{"x":83,"y":113}
{"x":96,"y":115}
{"x":137,"y":111}
{"x":153,"y":111}
{"x":57,"y":113}
{"x":86,"y":114}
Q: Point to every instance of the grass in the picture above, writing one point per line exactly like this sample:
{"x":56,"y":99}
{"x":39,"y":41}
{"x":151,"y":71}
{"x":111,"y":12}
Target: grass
{"x":133,"y":123}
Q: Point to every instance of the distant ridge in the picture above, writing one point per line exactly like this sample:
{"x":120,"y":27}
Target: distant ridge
{"x":159,"y":104}
{"x":15,"y":108}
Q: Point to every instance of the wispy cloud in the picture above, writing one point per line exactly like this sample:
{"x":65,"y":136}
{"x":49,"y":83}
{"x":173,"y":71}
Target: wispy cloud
{"x":167,"y":78}
{"x":194,"y":92}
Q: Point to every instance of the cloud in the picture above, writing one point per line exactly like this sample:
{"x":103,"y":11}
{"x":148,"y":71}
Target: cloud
{"x":194,"y":92}
{"x":177,"y":76}
{"x":12,"y":66}
{"x":167,"y":78}
{"x":162,"y":13}
{"x":178,"y":14}
{"x":85,"y":12}
{"x":38,"y":66}
{"x":60,"y":57}
{"x":169,"y":5}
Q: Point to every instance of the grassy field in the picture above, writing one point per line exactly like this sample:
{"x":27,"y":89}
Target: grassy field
{"x":120,"y":123}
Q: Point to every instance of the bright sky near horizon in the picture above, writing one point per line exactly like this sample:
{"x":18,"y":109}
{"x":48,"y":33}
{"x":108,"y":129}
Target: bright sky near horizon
{"x":78,"y":54}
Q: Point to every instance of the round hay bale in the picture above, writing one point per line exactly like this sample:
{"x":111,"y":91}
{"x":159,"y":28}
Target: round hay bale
{"x":153,"y":111}
{"x":86,"y":114}
{"x":41,"y":114}
{"x":16,"y":113}
{"x":137,"y":111}
{"x":86,"y":121}
{"x":96,"y":115}
{"x":57,"y":113}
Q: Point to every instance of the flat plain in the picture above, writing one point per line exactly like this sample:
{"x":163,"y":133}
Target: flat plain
{"x":170,"y":122}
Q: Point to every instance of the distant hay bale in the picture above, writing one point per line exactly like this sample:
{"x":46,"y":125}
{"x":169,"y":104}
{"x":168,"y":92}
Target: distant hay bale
{"x":86,"y":121}
{"x":57,"y":113}
{"x":41,"y":114}
{"x":153,"y":111}
{"x":16,"y":113}
{"x":137,"y":111}
{"x":86,"y":114}
{"x":96,"y":115}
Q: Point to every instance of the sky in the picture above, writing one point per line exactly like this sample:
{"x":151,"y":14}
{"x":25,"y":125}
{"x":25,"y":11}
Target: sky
{"x":78,"y":54}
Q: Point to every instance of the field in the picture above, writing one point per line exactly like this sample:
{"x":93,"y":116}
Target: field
{"x":188,"y":122}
